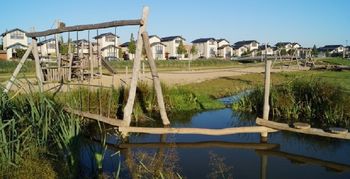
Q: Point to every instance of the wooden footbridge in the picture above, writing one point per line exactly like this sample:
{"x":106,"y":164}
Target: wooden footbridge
{"x":123,"y":125}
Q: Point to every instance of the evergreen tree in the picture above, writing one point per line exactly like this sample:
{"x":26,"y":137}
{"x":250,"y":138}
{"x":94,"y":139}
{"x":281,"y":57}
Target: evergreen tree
{"x":132,"y":44}
{"x":314,"y":51}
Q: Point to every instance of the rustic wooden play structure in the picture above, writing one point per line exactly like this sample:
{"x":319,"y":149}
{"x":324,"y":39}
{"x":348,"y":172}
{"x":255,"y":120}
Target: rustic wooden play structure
{"x":80,"y":67}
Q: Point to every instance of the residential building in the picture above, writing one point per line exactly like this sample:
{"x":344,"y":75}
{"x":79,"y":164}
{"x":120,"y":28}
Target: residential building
{"x":12,"y":40}
{"x":331,"y":49}
{"x":268,"y":50}
{"x":47,"y":47}
{"x":224,"y":48}
{"x":206,"y":47}
{"x":157,"y":47}
{"x":82,"y":46}
{"x":108,"y":45}
{"x":171,"y":44}
{"x":248,"y":47}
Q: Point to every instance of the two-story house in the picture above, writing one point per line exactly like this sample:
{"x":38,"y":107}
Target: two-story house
{"x":268,"y":50}
{"x":288,"y":45}
{"x":332,"y":49}
{"x":248,"y":47}
{"x":157,"y":47}
{"x":108,"y":45}
{"x":206,"y":47}
{"x":12,"y":40}
{"x":224,"y":48}
{"x":82,"y":46}
{"x":47,"y":47}
{"x":171,"y":44}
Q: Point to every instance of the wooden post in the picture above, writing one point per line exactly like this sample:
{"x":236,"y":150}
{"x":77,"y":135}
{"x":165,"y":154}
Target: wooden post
{"x":266,"y":94}
{"x":156,"y":81}
{"x":136,"y":69}
{"x":18,"y":69}
{"x":126,"y":72}
{"x":143,"y":68}
{"x":39,"y":72}
{"x":58,"y":55}
{"x":263,"y":166}
{"x":90,"y":59}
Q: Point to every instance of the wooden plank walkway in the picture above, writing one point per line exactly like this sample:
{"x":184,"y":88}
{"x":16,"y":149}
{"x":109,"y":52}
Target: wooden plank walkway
{"x":310,"y":131}
{"x":207,"y":144}
{"x":106,"y":120}
{"x":201,"y":131}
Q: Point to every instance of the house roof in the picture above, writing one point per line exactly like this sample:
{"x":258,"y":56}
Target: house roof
{"x":262,"y":47}
{"x":295,"y":43}
{"x":16,"y":44}
{"x":219,"y":40}
{"x":224,"y":46}
{"x":151,"y":36}
{"x":109,"y":46}
{"x":329,"y":47}
{"x":126,"y":44}
{"x":106,"y":34}
{"x":12,"y":30}
{"x":244,"y":42}
{"x":170,"y":38}
{"x":279,"y":44}
{"x":235,"y":47}
{"x":202,"y":40}
{"x":80,"y":41}
{"x":46,"y":41}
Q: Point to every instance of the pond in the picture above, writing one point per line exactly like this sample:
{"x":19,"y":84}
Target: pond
{"x":229,"y":156}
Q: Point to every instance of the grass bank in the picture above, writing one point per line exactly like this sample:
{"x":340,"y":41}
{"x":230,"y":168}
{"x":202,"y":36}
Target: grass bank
{"x":319,"y":102}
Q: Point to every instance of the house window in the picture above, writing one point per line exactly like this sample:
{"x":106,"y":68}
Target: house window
{"x":212,"y":52}
{"x":110,"y":39}
{"x":254,"y":44}
{"x":159,"y":49}
{"x":17,"y":35}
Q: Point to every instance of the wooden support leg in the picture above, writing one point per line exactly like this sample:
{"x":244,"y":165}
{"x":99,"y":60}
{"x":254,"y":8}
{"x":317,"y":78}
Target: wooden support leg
{"x":136,"y":70}
{"x":263,"y":166}
{"x":156,"y":80}
{"x":39,"y":72}
{"x":18,"y":69}
{"x":266,"y":94}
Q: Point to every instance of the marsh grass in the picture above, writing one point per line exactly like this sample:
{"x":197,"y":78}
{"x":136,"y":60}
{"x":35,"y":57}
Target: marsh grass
{"x":320,"y":103}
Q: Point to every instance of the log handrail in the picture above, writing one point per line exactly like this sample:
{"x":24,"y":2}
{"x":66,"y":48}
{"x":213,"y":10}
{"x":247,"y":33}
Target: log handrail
{"x":103,"y":25}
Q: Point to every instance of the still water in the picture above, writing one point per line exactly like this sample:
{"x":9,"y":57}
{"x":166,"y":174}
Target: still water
{"x":229,"y":156}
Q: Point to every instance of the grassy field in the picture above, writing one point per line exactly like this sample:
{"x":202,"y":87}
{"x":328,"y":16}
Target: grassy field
{"x":335,"y":61}
{"x":226,"y":86}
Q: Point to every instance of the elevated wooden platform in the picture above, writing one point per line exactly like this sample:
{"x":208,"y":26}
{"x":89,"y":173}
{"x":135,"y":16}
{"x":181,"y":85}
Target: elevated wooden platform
{"x":310,"y":131}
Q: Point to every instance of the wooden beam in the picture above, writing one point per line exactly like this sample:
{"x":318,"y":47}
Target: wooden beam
{"x":86,"y":27}
{"x":18,"y":69}
{"x":202,"y":131}
{"x":97,"y":117}
{"x":156,"y":81}
{"x":310,"y":131}
{"x":208,"y":144}
{"x":305,"y":159}
{"x":38,"y":70}
{"x":136,"y":69}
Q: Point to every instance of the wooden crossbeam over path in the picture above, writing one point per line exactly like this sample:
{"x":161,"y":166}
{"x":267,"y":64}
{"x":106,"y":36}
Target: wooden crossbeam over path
{"x":310,"y":131}
{"x":86,"y":27}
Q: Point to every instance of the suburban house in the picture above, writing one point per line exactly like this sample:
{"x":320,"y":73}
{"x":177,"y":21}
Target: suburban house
{"x":268,"y":50}
{"x":288,"y":45}
{"x":332,"y":49}
{"x":157,"y":47}
{"x":47,"y":47}
{"x":108,"y":45}
{"x":206,"y":47}
{"x":82,"y":45}
{"x":12,"y":40}
{"x":171,"y":43}
{"x":249,"y":47}
{"x":224,"y":48}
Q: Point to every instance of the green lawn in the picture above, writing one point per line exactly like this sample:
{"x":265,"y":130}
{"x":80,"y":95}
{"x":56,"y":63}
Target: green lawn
{"x":335,"y":61}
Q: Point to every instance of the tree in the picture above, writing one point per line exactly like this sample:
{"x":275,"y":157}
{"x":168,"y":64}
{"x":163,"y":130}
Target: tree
{"x":132,"y":44}
{"x":193,"y":50}
{"x":283,"y":52}
{"x":314,"y":51}
{"x":181,"y":48}
{"x":21,"y":52}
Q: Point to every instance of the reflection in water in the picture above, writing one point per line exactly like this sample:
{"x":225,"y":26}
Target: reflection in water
{"x":237,"y":156}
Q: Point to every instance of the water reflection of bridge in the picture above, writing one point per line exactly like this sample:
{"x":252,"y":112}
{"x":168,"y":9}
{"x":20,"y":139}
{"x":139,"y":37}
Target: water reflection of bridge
{"x":264,"y":150}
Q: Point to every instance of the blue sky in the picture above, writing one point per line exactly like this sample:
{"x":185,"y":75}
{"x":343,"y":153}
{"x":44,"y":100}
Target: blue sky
{"x":308,"y":22}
